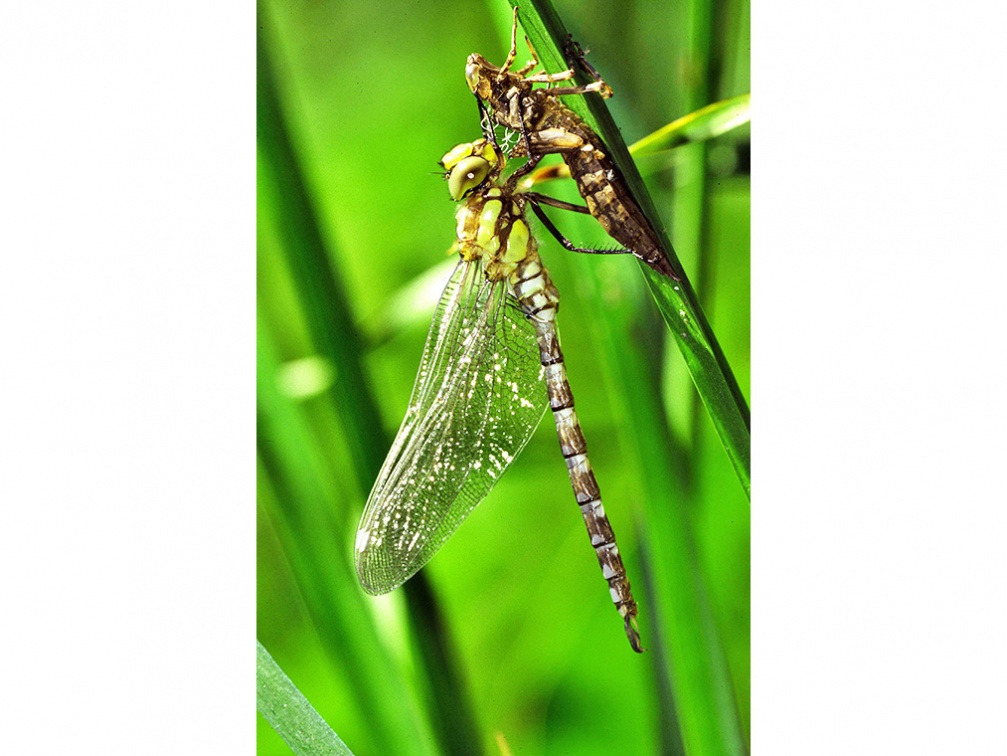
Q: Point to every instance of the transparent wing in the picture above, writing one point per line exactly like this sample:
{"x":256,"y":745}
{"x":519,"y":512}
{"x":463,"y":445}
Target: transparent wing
{"x":477,"y":399}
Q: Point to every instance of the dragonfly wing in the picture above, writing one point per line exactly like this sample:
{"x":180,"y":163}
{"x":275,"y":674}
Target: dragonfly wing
{"x":477,"y":399}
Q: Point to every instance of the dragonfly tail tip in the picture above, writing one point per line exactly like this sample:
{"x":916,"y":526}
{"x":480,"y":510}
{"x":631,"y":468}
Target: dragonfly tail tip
{"x":633,"y":634}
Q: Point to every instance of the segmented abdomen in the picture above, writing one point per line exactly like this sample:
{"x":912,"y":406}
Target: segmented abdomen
{"x":604,"y":189}
{"x":539,"y":299}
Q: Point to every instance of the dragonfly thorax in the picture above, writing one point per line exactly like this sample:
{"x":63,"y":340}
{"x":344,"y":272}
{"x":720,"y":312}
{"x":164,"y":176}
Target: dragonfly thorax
{"x":491,"y":228}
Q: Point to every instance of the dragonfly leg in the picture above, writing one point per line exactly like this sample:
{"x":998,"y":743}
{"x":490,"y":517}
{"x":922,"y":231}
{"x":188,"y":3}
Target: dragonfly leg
{"x":530,"y":65}
{"x":548,"y":78}
{"x":542,"y":199}
{"x":512,"y":55}
{"x":595,"y":86}
{"x":576,"y":56}
{"x":566,"y":243}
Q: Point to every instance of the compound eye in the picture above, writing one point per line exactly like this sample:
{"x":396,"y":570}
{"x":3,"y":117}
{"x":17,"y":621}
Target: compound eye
{"x":469,"y":174}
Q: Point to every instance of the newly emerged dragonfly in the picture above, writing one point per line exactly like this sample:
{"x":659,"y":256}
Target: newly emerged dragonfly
{"x":548,"y":126}
{"x":478,"y":395}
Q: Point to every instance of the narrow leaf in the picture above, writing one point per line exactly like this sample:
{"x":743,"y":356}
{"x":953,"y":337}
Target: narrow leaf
{"x":290,"y":714}
{"x":704,"y":124}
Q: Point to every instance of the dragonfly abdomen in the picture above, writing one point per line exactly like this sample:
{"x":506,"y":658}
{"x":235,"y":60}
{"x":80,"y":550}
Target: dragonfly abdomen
{"x":539,"y":299}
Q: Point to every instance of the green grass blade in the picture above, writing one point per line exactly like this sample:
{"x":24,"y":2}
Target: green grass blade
{"x":290,"y":714}
{"x":700,"y":126}
{"x":706,"y":362}
{"x":324,"y":576}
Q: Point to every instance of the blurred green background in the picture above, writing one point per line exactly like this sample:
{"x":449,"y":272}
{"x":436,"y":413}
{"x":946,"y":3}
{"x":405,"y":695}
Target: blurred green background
{"x":507,"y":641}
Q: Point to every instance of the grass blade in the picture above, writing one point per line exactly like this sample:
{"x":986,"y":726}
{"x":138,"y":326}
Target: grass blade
{"x":702,"y":125}
{"x":290,"y":714}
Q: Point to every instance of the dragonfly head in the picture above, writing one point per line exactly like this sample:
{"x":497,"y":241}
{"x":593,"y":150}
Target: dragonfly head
{"x":478,"y":71}
{"x":470,"y":166}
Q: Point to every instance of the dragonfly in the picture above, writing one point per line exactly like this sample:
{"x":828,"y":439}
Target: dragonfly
{"x":478,"y":395}
{"x":547,"y":126}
